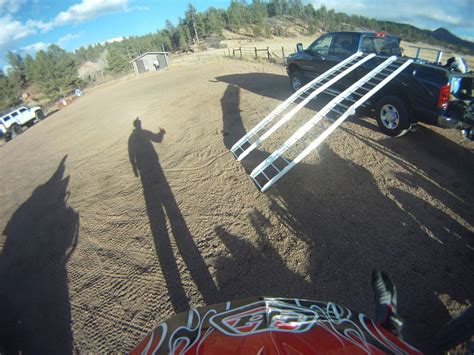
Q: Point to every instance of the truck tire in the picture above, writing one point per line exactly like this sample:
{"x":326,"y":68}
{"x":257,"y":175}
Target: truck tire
{"x":392,"y":116}
{"x":296,"y":80}
{"x":39,"y":115}
{"x":15,"y":130}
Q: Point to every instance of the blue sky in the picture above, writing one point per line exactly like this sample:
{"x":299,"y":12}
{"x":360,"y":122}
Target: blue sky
{"x":27,"y":26}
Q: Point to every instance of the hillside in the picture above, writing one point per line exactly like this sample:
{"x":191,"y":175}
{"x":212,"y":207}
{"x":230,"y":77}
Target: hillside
{"x":444,"y":35}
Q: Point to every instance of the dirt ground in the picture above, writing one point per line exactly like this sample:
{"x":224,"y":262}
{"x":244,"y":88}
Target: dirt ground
{"x":111,"y":224}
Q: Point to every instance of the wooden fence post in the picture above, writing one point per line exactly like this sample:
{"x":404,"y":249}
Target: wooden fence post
{"x":268,"y":53}
{"x":228,"y":49}
{"x":283,"y":52}
{"x":240,"y":48}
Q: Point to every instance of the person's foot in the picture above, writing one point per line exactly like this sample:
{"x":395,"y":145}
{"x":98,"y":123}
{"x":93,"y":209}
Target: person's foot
{"x":386,"y":303}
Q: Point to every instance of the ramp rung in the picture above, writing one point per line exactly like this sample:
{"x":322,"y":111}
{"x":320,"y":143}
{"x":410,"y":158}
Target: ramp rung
{"x":266,"y":176}
{"x":338,"y":112}
{"x":344,"y":106}
{"x":274,"y":166}
{"x":257,"y":183}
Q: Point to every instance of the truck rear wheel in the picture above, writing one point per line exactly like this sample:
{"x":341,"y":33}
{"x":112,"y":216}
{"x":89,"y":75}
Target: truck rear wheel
{"x":393,"y":116}
{"x":15,"y":130}
{"x":39,"y":115}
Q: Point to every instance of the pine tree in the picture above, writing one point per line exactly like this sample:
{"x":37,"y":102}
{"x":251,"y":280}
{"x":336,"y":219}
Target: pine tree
{"x":30,"y":68}
{"x":17,"y":72}
{"x":190,"y":21}
{"x":9,"y":95}
{"x":117,"y":60}
{"x":180,"y":39}
{"x":55,"y":72}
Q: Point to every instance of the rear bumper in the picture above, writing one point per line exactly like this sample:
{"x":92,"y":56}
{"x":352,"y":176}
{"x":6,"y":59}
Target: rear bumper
{"x":450,"y":122}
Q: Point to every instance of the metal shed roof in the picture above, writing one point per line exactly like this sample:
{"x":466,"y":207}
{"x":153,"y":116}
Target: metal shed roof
{"x":147,"y":53}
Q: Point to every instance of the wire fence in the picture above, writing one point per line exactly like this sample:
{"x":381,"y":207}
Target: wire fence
{"x":269,"y":54}
{"x":275,"y":55}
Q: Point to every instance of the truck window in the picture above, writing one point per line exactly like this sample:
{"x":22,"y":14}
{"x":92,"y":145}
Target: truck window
{"x":23,"y":110}
{"x":14,"y":114}
{"x":344,"y":44}
{"x":6,"y":118}
{"x":386,"y":46}
{"x":321,"y":45}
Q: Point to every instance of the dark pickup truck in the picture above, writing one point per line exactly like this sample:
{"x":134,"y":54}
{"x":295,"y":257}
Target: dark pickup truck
{"x":423,"y":92}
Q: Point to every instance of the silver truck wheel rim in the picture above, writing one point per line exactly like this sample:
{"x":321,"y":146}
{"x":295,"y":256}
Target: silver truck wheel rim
{"x":389,"y":116}
{"x":296,"y":83}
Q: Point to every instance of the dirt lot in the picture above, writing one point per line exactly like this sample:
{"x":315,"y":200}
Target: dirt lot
{"x":110,"y":225}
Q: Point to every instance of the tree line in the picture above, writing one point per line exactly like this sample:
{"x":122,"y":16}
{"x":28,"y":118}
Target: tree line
{"x":54,"y":71}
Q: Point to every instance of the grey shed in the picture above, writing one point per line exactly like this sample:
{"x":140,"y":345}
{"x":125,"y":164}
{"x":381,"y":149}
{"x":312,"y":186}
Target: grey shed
{"x":146,"y":62}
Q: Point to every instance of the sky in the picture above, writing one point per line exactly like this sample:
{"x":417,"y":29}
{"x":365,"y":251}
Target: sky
{"x":27,"y":26}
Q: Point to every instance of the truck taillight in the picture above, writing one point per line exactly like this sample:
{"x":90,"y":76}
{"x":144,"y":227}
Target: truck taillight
{"x":443,"y":98}
{"x":381,"y":34}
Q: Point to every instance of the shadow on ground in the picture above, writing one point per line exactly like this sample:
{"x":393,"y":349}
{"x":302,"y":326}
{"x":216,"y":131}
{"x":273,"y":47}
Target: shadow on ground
{"x":161,"y":207}
{"x":278,"y":87}
{"x":34,"y":297}
{"x":350,"y":227}
{"x":52,"y":112}
{"x":265,"y":84}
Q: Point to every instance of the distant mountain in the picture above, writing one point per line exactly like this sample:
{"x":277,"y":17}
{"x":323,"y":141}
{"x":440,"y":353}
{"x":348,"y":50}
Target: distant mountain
{"x":440,"y":37}
{"x":444,"y":35}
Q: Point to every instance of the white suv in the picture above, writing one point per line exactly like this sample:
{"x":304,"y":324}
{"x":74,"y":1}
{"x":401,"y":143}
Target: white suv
{"x":14,"y":121}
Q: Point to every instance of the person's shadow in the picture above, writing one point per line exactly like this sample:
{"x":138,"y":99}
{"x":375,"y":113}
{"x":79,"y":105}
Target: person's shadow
{"x":35,"y":310}
{"x":161,"y":206}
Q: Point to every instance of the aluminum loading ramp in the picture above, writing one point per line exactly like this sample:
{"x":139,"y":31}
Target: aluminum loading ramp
{"x":338,"y":110}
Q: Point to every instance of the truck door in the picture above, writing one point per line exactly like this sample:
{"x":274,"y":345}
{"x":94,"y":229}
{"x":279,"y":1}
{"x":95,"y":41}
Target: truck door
{"x":343,"y":46}
{"x":319,"y":51}
{"x":15,"y":117}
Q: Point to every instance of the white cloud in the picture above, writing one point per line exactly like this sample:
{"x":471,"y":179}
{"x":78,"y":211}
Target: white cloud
{"x":35,"y":47}
{"x":11,"y":31}
{"x":40,"y":25}
{"x":88,"y":10}
{"x":112,"y":40}
{"x":468,"y":38}
{"x":10,"y":6}
{"x":69,"y":37}
{"x":6,"y":68}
